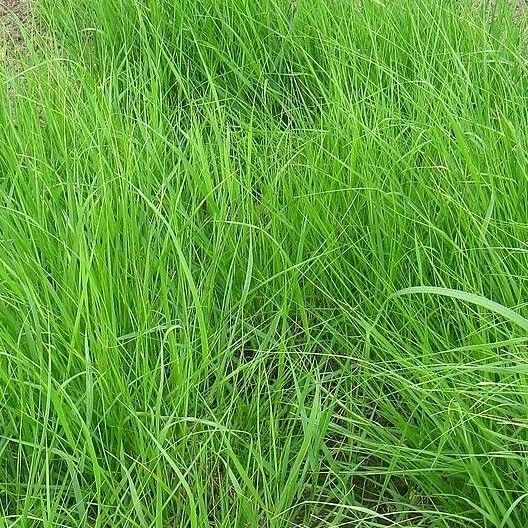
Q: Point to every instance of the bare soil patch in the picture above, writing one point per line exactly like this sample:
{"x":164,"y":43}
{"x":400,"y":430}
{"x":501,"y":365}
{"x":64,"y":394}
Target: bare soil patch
{"x":13,"y":13}
{"x":10,"y":8}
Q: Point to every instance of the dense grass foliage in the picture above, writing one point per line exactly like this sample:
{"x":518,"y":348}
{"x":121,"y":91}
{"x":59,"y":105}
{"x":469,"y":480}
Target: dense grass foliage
{"x":263,"y":264}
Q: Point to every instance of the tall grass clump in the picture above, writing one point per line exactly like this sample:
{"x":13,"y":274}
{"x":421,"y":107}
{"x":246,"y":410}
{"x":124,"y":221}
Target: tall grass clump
{"x":264,"y":264}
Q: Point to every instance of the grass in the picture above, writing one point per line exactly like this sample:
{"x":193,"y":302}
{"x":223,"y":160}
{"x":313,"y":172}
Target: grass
{"x":264,"y":264}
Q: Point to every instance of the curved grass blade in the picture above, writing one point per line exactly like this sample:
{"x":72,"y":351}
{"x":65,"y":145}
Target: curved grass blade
{"x":471,"y":298}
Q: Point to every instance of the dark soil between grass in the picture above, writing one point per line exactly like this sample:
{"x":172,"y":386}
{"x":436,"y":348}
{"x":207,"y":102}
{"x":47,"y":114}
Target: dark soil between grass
{"x":13,"y":7}
{"x":12,"y":14}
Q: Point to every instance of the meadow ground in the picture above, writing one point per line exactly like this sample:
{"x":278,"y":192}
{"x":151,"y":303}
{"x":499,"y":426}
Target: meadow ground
{"x":12,"y":14}
{"x":264,"y":264}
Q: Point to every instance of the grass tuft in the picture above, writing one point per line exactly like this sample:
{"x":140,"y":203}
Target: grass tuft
{"x":263,"y":264}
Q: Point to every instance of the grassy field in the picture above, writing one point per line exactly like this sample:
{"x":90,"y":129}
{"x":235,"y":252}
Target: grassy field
{"x":264,"y":264}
